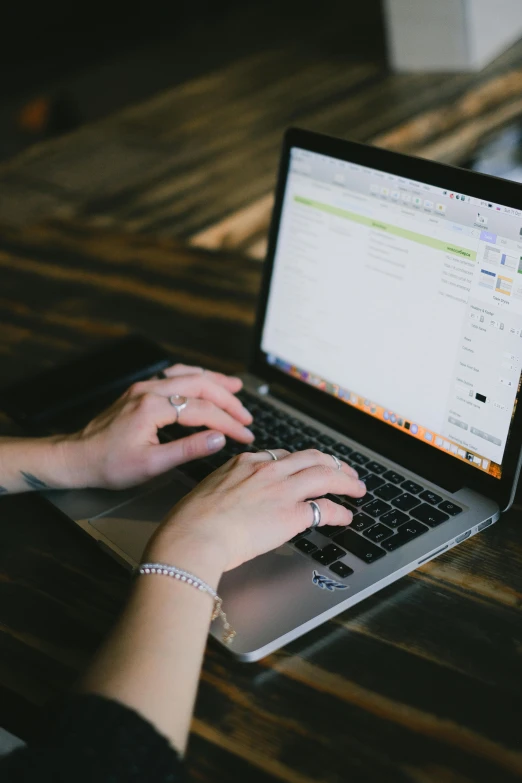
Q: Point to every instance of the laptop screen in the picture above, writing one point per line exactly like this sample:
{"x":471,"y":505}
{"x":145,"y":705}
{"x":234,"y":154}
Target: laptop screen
{"x":401,"y":299}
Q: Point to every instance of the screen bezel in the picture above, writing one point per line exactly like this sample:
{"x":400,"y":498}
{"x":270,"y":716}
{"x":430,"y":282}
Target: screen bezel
{"x":438,"y":467}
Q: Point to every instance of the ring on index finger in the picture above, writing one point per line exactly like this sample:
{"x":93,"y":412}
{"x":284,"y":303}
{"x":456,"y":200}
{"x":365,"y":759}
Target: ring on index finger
{"x":179,"y":403}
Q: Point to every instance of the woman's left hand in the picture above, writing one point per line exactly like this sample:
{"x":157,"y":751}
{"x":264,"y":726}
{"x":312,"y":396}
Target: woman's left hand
{"x":120,"y":447}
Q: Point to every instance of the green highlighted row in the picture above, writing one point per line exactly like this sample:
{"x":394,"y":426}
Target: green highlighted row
{"x":413,"y":236}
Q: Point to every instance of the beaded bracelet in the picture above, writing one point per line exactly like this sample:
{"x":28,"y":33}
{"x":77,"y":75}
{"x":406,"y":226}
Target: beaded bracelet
{"x":199,"y":584}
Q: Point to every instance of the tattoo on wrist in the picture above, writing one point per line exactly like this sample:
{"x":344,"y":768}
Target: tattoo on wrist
{"x":3,"y":491}
{"x":34,"y":482}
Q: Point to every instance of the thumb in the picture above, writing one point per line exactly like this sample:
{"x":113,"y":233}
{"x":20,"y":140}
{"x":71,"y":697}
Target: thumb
{"x":168,"y":455}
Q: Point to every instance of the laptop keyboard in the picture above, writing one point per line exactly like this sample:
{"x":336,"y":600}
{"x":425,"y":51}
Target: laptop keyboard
{"x":394,"y":511}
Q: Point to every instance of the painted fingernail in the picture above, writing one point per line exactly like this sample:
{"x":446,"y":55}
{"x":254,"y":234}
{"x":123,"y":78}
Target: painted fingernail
{"x":362,"y":485}
{"x":215,"y":441}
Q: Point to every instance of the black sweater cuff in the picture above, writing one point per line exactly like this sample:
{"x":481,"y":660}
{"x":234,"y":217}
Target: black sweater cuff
{"x":95,"y":739}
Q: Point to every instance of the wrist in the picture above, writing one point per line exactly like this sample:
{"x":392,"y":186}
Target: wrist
{"x":72,"y":459}
{"x":204,"y":559}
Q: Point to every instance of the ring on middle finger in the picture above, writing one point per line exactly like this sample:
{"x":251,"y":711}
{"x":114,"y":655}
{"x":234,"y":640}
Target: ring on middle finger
{"x":317,"y":513}
{"x":337,"y":461}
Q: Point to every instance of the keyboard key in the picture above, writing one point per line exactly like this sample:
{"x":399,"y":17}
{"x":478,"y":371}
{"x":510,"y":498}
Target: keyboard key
{"x":405,"y":502}
{"x":405,"y":533}
{"x":376,"y":508}
{"x":358,"y":502}
{"x":361,"y":472}
{"x":359,"y":546}
{"x":431,"y":516}
{"x":372,"y":482}
{"x":431,"y":497}
{"x":329,"y":554}
{"x":342,"y":449}
{"x":326,"y":440}
{"x":450,"y":508}
{"x":361,"y":522}
{"x":411,"y":486}
{"x":394,"y":518}
{"x":341,"y":569}
{"x":299,"y":535}
{"x":310,"y":444}
{"x":391,"y":475}
{"x":359,"y":459}
{"x":299,"y":445}
{"x":388,"y":492}
{"x":376,"y":467}
{"x":311,"y":431}
{"x":378,"y":533}
{"x":282,"y":431}
{"x":306,"y":546}
{"x":330,"y":530}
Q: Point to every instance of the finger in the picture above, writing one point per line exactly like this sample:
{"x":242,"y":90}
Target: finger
{"x":197,"y":386}
{"x":204,"y":413}
{"x":300,"y":460}
{"x":320,"y":480}
{"x":265,"y":455}
{"x":166,"y":456}
{"x":230,"y":382}
{"x":331,"y":513}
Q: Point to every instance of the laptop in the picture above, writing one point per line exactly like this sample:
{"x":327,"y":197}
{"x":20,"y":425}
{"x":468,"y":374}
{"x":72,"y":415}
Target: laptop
{"x":389,"y":333}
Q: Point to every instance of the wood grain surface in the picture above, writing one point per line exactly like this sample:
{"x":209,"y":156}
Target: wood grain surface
{"x":199,"y":161}
{"x":421,"y":683}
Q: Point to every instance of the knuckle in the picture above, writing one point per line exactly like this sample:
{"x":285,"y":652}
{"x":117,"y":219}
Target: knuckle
{"x":136,"y":389}
{"x":268,"y":467}
{"x":190,"y":448}
{"x":323,"y":471}
{"x":315,"y":453}
{"x":329,"y":507}
{"x":146,"y":401}
{"x":244,"y":458}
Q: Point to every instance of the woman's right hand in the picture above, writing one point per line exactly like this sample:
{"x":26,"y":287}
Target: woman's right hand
{"x":253,"y":504}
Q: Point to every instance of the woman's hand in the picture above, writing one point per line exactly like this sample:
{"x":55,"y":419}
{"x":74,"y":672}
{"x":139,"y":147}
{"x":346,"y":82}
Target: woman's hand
{"x":120,"y":447}
{"x":252,"y":505}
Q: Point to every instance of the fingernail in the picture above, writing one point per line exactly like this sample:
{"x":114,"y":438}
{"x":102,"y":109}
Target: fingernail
{"x":215,"y":441}
{"x":249,"y":433}
{"x":362,"y":485}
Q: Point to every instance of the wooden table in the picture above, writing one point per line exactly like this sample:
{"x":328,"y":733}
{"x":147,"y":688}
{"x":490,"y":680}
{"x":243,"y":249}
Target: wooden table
{"x":422,"y":682}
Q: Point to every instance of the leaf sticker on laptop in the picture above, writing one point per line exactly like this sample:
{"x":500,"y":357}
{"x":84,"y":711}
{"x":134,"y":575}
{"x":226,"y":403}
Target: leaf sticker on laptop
{"x":325,"y":583}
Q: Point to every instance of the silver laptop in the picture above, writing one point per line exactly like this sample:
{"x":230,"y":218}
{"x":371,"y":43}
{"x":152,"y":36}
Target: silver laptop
{"x":389,"y":333}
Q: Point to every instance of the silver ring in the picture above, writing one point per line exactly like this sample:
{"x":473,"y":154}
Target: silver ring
{"x":337,"y":461}
{"x":317,"y":513}
{"x":274,"y":456}
{"x":179,"y":403}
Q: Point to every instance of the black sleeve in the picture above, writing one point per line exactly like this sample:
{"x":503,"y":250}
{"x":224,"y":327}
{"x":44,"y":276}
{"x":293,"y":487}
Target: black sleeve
{"x":95,"y":739}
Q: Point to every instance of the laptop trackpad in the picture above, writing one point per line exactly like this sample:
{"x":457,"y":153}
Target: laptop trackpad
{"x":130,"y":525}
